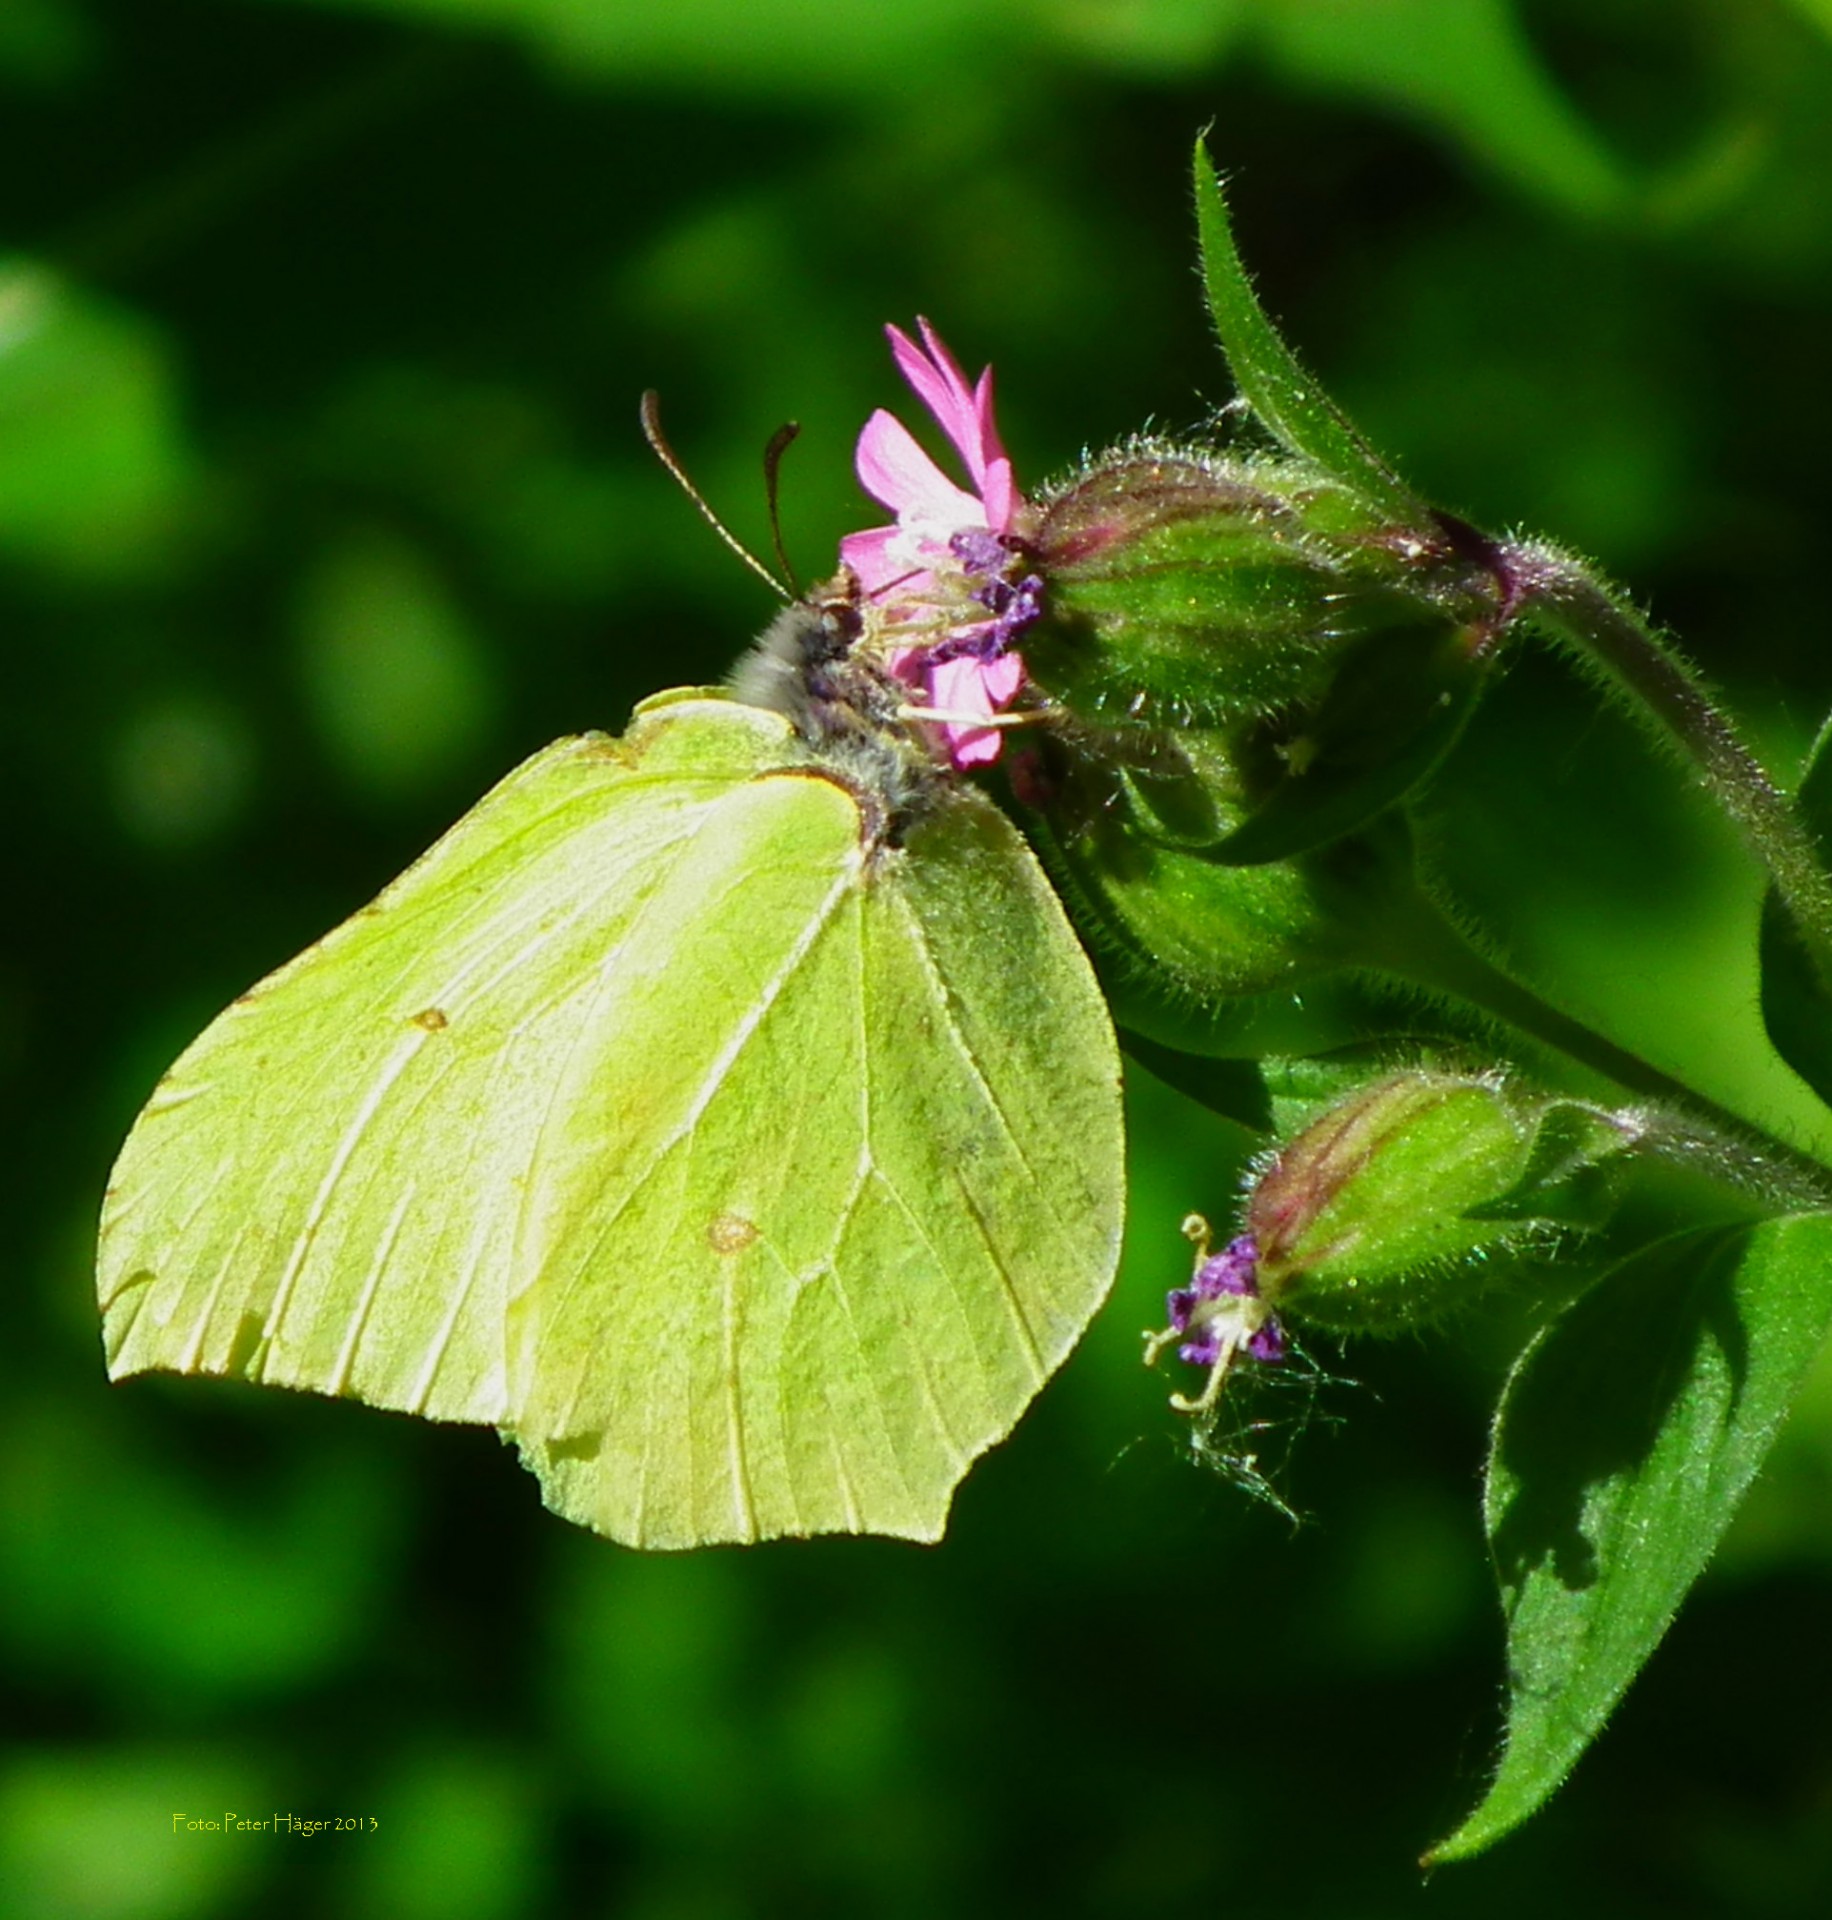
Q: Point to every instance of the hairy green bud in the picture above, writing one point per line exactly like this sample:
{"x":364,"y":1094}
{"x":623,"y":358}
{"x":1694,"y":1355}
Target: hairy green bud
{"x":1390,"y":1208}
{"x":1185,"y":587}
{"x":1249,"y":664}
{"x":1197,"y":951}
{"x":1383,"y":1213}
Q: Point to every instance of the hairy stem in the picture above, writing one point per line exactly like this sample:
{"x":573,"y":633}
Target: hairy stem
{"x":1414,"y":941}
{"x":1563,"y":596}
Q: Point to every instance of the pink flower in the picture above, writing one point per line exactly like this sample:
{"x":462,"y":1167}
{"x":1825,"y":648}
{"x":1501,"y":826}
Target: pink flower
{"x":946,"y":585}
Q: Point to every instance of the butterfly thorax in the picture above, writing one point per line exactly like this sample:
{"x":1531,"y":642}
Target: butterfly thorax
{"x":812,"y":665}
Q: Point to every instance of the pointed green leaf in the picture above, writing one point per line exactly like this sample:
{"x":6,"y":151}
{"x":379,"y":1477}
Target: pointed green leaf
{"x":750,"y":1174}
{"x":1466,"y":69}
{"x":1629,"y":1432}
{"x":1268,"y":373}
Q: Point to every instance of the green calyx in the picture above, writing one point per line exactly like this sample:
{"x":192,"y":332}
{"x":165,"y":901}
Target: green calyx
{"x":1185,"y":587}
{"x":1390,"y":1209}
{"x":1198,"y":951}
{"x":1266,"y":634}
{"x":1248,"y":660}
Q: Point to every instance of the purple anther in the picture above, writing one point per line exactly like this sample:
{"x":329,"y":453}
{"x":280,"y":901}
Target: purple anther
{"x":1233,"y":1270}
{"x":1268,"y":1343}
{"x":983,"y":642}
{"x":1222,"y":1313}
{"x":1014,"y":606}
{"x":979,"y":550}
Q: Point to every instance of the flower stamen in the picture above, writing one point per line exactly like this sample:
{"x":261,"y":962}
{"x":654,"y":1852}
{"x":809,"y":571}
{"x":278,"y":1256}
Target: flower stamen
{"x":1218,"y":1317}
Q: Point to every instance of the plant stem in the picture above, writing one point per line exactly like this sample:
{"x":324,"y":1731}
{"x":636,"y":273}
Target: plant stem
{"x":1562,"y":595}
{"x":1413,"y":940}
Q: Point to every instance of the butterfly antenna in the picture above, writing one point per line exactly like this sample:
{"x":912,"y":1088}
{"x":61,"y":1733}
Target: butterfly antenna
{"x":780,"y":442}
{"x":658,"y":441}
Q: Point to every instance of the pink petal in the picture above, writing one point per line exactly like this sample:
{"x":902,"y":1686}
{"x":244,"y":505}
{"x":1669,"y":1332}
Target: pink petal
{"x":959,"y":686}
{"x":943,"y":389}
{"x":967,"y":686}
{"x":874,"y":558}
{"x":1002,"y":678}
{"x":973,"y":403}
{"x":963,"y":411}
{"x":982,"y":406}
{"x":973,"y":746}
{"x":999,"y":495}
{"x":896,"y":472}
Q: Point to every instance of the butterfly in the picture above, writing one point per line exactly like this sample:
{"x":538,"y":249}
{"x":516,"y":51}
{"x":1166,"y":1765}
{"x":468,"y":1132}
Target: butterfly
{"x":725,"y":1112}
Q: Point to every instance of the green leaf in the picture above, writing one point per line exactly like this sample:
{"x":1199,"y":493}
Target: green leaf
{"x":1467,"y":69}
{"x":1268,"y":373}
{"x":749,"y":1172}
{"x":1796,"y":1004}
{"x":1627,"y":1435}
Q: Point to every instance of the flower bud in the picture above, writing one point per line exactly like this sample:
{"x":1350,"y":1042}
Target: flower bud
{"x":1184,"y":587}
{"x":1388,"y":1210}
{"x":1250,"y":664}
{"x":1128,"y":843}
{"x":1384,"y":1213}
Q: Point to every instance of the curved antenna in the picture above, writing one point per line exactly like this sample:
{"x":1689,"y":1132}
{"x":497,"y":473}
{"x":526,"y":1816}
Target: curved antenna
{"x":780,"y":442}
{"x":658,"y":442}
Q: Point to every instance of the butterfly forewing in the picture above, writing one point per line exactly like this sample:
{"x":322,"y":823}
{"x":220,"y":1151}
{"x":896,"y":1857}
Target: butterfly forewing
{"x":322,"y":1192}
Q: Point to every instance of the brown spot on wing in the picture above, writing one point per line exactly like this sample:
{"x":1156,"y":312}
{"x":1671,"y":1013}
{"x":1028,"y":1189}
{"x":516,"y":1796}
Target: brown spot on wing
{"x":432,"y":1019}
{"x":730,"y":1233}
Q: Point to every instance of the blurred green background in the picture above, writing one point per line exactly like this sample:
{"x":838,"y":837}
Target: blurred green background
{"x":322,"y":502}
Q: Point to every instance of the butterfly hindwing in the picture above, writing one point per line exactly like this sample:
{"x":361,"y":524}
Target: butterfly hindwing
{"x":893,"y":1219}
